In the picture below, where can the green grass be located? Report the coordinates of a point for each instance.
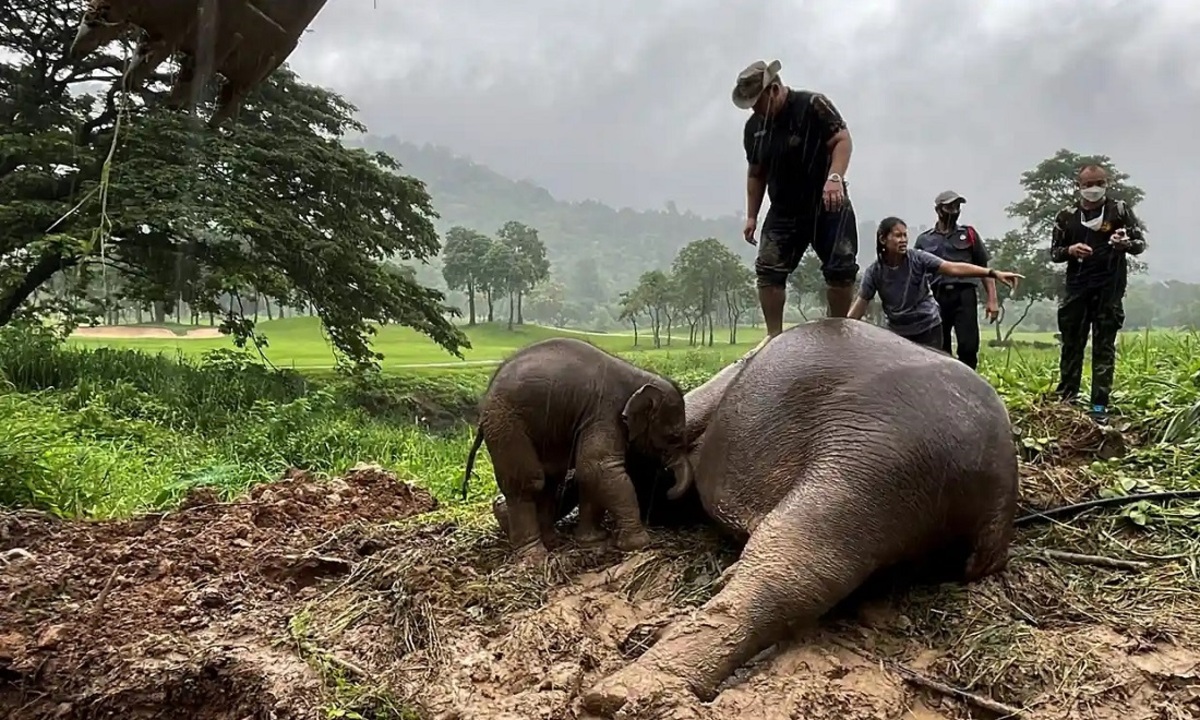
(102, 429)
(300, 343)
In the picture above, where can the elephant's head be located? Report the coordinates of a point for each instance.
(657, 424)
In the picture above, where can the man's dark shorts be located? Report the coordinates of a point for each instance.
(832, 234)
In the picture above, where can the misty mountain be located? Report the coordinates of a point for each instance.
(619, 244)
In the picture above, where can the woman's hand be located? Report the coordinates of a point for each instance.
(1008, 278)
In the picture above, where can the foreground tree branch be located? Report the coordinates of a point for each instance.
(273, 204)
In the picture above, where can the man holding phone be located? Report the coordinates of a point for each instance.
(1093, 237)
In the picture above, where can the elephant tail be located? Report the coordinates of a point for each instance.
(466, 483)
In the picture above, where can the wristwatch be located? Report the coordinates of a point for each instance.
(991, 273)
(834, 177)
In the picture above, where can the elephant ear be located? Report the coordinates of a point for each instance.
(640, 409)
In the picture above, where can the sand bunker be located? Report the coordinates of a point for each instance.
(133, 332)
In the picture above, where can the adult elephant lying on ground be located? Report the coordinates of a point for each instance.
(837, 450)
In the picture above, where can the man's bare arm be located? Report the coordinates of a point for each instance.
(756, 190)
(840, 148)
(840, 145)
(858, 308)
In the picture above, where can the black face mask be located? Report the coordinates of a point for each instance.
(948, 216)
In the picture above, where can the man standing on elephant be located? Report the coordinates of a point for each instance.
(1093, 237)
(958, 298)
(798, 150)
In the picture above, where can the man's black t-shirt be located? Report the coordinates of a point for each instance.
(1106, 268)
(792, 151)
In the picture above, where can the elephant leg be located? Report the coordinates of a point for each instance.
(990, 546)
(519, 475)
(547, 510)
(500, 512)
(803, 558)
(604, 485)
(589, 531)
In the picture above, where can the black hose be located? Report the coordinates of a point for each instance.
(1120, 500)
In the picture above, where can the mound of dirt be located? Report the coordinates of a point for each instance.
(181, 611)
(303, 600)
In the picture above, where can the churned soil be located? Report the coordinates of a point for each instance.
(180, 614)
(318, 599)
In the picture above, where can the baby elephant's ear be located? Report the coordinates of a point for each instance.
(640, 409)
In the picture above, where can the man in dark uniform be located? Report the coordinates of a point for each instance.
(798, 149)
(1093, 237)
(958, 298)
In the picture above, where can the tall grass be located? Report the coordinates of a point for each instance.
(101, 432)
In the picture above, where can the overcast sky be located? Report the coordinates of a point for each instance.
(627, 101)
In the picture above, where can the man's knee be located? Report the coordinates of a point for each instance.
(842, 275)
(770, 276)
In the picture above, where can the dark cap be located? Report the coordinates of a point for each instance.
(947, 197)
(752, 81)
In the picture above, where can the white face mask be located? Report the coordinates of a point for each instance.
(1093, 194)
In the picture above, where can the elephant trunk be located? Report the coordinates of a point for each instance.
(90, 37)
(682, 468)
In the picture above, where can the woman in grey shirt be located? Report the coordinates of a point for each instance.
(901, 278)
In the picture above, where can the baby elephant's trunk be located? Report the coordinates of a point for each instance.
(682, 468)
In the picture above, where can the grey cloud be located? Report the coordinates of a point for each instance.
(628, 102)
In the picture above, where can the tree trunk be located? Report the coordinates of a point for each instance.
(160, 312)
(512, 315)
(471, 303)
(520, 316)
(38, 275)
(270, 314)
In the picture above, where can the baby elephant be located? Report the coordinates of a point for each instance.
(560, 404)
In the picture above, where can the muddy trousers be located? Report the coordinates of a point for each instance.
(959, 305)
(1100, 311)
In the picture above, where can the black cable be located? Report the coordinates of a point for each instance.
(1075, 509)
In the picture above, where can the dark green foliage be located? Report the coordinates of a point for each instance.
(271, 205)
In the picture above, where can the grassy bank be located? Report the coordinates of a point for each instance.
(95, 430)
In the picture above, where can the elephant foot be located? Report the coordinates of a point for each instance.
(532, 554)
(552, 539)
(500, 512)
(633, 540)
(590, 536)
(638, 688)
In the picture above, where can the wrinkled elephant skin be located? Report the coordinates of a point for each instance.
(563, 404)
(837, 450)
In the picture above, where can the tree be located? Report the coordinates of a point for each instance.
(462, 257)
(548, 304)
(115, 185)
(531, 264)
(502, 275)
(632, 305)
(807, 283)
(652, 296)
(737, 290)
(700, 268)
(1020, 252)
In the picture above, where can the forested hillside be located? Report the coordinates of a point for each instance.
(594, 249)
